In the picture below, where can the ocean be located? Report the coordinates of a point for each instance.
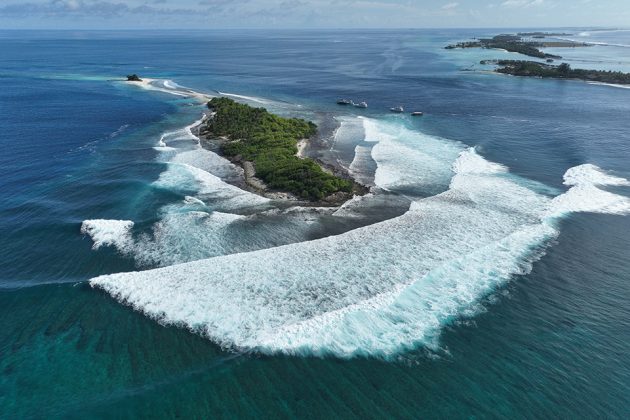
(485, 275)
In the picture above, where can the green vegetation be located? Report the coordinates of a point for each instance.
(270, 142)
(543, 34)
(512, 43)
(563, 71)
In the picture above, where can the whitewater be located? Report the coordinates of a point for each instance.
(375, 291)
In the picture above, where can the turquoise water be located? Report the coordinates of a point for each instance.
(462, 287)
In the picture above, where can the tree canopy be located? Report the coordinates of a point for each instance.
(270, 142)
(563, 71)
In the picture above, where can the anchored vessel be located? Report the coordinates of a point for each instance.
(397, 109)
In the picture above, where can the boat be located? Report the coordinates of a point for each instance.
(361, 105)
(417, 113)
(397, 109)
(344, 102)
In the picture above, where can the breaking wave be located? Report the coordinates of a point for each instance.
(193, 170)
(176, 238)
(107, 232)
(408, 159)
(198, 226)
(172, 88)
(247, 98)
(610, 85)
(187, 179)
(361, 165)
(380, 289)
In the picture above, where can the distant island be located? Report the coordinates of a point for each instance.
(515, 43)
(542, 34)
(134, 78)
(563, 71)
(266, 146)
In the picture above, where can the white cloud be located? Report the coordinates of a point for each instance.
(522, 3)
(86, 8)
(99, 14)
(449, 6)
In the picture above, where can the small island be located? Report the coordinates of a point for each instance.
(515, 43)
(266, 147)
(133, 78)
(539, 34)
(563, 71)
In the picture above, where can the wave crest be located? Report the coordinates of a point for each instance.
(377, 290)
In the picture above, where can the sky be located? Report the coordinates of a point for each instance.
(207, 14)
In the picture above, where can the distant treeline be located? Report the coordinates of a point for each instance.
(543, 34)
(270, 142)
(563, 71)
(512, 43)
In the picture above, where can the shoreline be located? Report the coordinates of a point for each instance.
(533, 69)
(147, 83)
(306, 148)
(521, 43)
(252, 184)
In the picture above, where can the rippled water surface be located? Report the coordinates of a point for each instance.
(486, 274)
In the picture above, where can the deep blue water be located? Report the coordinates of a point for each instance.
(549, 337)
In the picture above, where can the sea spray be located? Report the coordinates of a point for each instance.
(373, 291)
(108, 232)
(410, 160)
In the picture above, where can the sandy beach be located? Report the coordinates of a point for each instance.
(164, 85)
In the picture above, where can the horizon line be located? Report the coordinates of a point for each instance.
(593, 27)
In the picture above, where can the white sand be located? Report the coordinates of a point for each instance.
(150, 84)
(301, 145)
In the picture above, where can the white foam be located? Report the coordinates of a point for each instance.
(193, 170)
(192, 200)
(376, 290)
(190, 180)
(348, 209)
(170, 87)
(359, 168)
(589, 174)
(178, 237)
(412, 315)
(195, 227)
(407, 158)
(152, 87)
(170, 140)
(164, 149)
(607, 44)
(609, 85)
(490, 183)
(471, 163)
(588, 198)
(107, 232)
(247, 98)
(209, 162)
